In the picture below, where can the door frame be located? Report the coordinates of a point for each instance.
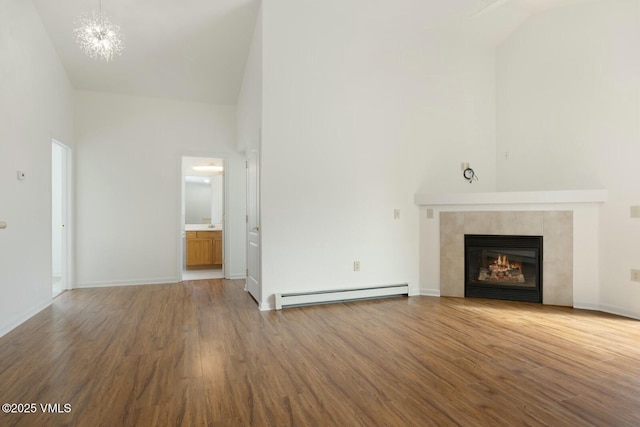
(181, 216)
(67, 216)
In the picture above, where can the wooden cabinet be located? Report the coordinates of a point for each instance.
(217, 247)
(199, 252)
(204, 248)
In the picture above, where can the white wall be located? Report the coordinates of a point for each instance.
(35, 106)
(249, 107)
(568, 115)
(129, 179)
(364, 104)
(217, 191)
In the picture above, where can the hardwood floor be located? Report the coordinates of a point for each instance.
(200, 353)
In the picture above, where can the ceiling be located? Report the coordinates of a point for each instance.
(196, 50)
(192, 50)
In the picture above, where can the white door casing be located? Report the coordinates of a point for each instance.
(219, 206)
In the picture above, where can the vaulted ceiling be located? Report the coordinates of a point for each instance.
(189, 49)
(196, 50)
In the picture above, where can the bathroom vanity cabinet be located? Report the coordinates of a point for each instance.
(204, 248)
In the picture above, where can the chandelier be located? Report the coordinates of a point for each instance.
(98, 37)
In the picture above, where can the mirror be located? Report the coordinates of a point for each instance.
(203, 192)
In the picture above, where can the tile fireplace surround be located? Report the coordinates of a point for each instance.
(556, 227)
(567, 220)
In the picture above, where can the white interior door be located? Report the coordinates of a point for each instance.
(60, 159)
(253, 225)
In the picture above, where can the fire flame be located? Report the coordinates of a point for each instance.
(502, 264)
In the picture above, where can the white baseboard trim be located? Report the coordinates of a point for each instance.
(134, 282)
(607, 309)
(21, 318)
(236, 276)
(265, 306)
(430, 292)
(586, 306)
(619, 311)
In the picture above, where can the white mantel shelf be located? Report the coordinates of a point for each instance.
(510, 198)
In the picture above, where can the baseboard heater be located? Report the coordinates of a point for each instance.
(324, 297)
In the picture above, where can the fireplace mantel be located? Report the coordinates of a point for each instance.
(568, 220)
(509, 198)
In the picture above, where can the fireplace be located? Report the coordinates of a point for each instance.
(503, 267)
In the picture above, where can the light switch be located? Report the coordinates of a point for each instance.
(635, 211)
(430, 213)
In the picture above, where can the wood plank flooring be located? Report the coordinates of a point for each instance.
(200, 353)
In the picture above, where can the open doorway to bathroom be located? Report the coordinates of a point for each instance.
(202, 218)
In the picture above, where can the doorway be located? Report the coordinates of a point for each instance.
(60, 202)
(202, 223)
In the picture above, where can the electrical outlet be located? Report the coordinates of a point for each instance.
(430, 213)
(635, 211)
(356, 265)
(396, 214)
(635, 275)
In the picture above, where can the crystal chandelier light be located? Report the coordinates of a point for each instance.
(98, 37)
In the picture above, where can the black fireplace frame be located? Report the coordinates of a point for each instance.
(503, 291)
